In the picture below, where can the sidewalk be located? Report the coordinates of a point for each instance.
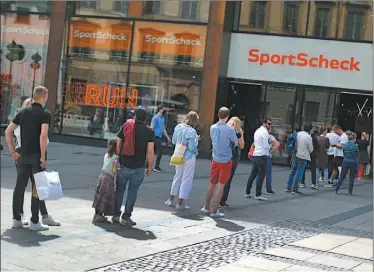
(287, 232)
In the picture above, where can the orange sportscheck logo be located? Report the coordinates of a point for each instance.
(302, 60)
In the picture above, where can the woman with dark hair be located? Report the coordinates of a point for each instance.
(322, 159)
(363, 154)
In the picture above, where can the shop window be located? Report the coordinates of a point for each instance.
(354, 25)
(189, 9)
(121, 6)
(119, 54)
(152, 7)
(258, 11)
(148, 57)
(82, 52)
(183, 60)
(22, 19)
(87, 4)
(26, 6)
(291, 17)
(322, 22)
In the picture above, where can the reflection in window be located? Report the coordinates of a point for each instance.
(322, 21)
(183, 60)
(258, 11)
(26, 6)
(121, 6)
(189, 9)
(318, 107)
(87, 4)
(148, 57)
(152, 7)
(81, 51)
(22, 19)
(119, 54)
(291, 17)
(354, 25)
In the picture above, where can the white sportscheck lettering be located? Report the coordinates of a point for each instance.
(172, 40)
(26, 30)
(99, 35)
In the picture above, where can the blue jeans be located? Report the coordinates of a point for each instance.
(268, 174)
(325, 174)
(352, 168)
(135, 178)
(296, 173)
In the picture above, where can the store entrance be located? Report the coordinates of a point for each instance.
(244, 102)
(356, 112)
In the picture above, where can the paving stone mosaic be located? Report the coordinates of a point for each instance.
(231, 248)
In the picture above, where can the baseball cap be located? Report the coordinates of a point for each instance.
(140, 113)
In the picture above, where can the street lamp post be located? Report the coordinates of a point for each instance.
(35, 66)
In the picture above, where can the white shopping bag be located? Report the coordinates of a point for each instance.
(178, 156)
(48, 185)
(367, 170)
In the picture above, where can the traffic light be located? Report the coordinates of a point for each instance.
(16, 52)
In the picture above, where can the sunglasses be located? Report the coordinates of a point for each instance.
(269, 124)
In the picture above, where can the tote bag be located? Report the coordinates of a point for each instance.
(178, 155)
(48, 185)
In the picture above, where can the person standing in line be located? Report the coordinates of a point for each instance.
(159, 129)
(303, 148)
(312, 163)
(46, 219)
(34, 124)
(349, 163)
(333, 139)
(185, 134)
(234, 122)
(338, 152)
(274, 145)
(322, 159)
(260, 158)
(224, 140)
(135, 146)
(363, 154)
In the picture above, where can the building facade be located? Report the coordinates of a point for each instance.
(295, 61)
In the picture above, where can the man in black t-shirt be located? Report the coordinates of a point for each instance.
(133, 168)
(34, 122)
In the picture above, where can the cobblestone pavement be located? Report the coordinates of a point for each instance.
(217, 252)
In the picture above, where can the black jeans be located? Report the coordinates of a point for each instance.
(330, 165)
(313, 169)
(43, 207)
(158, 145)
(352, 168)
(259, 168)
(226, 190)
(28, 165)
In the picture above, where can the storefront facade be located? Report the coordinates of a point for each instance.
(293, 61)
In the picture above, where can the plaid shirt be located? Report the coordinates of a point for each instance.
(350, 150)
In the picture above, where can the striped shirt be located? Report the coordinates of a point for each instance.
(350, 152)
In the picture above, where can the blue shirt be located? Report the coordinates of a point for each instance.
(224, 140)
(158, 122)
(350, 150)
(187, 136)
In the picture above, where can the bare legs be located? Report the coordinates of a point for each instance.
(210, 193)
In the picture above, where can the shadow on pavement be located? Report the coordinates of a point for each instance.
(194, 217)
(26, 238)
(127, 232)
(228, 225)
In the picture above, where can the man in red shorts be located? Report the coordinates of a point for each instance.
(224, 140)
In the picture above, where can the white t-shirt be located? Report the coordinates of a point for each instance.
(261, 142)
(333, 139)
(109, 163)
(343, 139)
(17, 133)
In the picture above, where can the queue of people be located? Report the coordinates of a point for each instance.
(130, 158)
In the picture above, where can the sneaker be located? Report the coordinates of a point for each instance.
(157, 169)
(224, 205)
(49, 221)
(335, 192)
(38, 227)
(314, 187)
(247, 196)
(98, 219)
(182, 207)
(321, 179)
(115, 219)
(24, 220)
(17, 224)
(270, 192)
(296, 192)
(328, 185)
(218, 214)
(288, 191)
(169, 203)
(205, 210)
(302, 185)
(127, 222)
(261, 198)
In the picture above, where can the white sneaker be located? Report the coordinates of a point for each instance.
(49, 221)
(182, 207)
(17, 224)
(24, 220)
(205, 210)
(247, 196)
(38, 226)
(169, 203)
(261, 198)
(218, 214)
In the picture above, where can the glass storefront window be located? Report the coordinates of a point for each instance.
(111, 8)
(279, 106)
(26, 7)
(24, 45)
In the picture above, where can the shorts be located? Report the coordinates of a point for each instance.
(338, 161)
(220, 172)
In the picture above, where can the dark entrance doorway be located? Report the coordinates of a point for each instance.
(244, 101)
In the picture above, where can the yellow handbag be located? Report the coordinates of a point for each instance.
(178, 156)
